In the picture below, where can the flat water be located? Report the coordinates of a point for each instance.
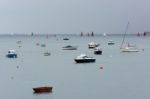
(124, 75)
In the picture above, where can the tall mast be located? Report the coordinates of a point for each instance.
(125, 34)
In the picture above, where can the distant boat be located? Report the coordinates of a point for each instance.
(81, 34)
(98, 51)
(65, 38)
(92, 34)
(69, 47)
(104, 34)
(111, 42)
(11, 54)
(84, 59)
(47, 53)
(93, 45)
(43, 89)
(128, 47)
(138, 34)
(18, 42)
(43, 45)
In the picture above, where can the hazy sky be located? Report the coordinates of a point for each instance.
(74, 16)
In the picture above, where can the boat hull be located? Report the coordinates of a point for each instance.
(42, 89)
(130, 50)
(98, 52)
(47, 53)
(111, 43)
(69, 48)
(84, 60)
(11, 55)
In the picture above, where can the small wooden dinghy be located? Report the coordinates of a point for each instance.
(45, 89)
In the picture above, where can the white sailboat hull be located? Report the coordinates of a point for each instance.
(129, 49)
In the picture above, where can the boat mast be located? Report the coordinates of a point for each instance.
(125, 34)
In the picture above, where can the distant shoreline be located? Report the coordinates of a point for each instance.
(66, 35)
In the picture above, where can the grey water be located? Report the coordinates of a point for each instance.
(124, 75)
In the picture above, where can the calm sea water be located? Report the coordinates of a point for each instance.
(124, 75)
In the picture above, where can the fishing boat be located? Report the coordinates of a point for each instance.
(69, 47)
(98, 51)
(83, 58)
(93, 45)
(11, 54)
(128, 47)
(45, 89)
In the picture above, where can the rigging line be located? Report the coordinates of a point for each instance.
(125, 34)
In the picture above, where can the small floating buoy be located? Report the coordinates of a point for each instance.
(37, 44)
(101, 67)
(12, 77)
(17, 66)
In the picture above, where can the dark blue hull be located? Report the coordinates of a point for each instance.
(84, 60)
(11, 55)
(98, 52)
(111, 43)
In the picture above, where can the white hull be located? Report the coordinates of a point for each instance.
(129, 49)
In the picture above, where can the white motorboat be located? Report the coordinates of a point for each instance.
(83, 58)
(93, 45)
(111, 42)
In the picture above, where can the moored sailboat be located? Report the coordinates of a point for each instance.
(128, 47)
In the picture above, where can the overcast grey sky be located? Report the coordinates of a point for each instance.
(74, 16)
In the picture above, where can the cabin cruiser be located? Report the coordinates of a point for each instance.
(111, 42)
(11, 54)
(83, 58)
(98, 51)
(93, 45)
(69, 47)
